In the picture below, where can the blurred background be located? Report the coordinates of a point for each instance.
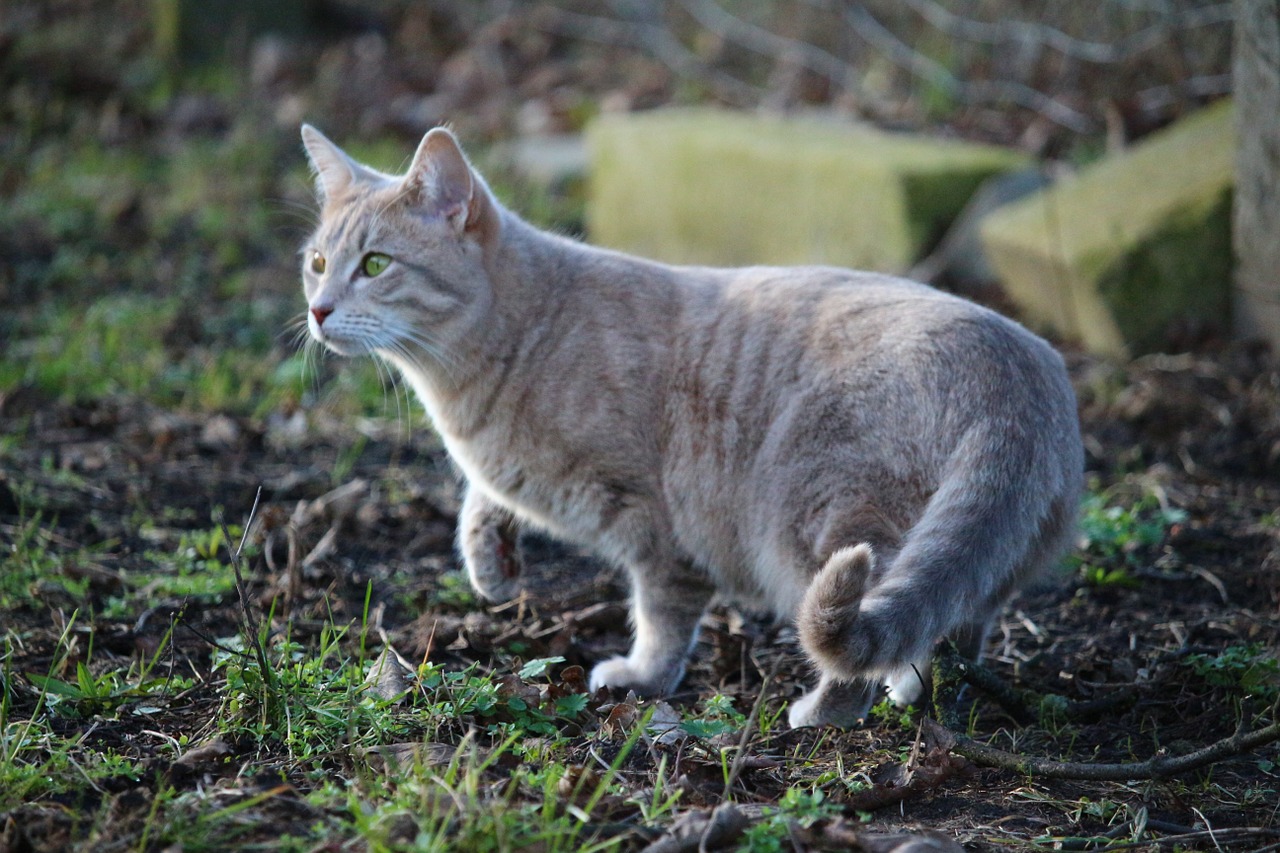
(153, 191)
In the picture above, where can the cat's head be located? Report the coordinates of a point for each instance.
(396, 265)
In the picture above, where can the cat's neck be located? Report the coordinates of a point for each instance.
(541, 285)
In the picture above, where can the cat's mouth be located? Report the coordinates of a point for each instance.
(336, 344)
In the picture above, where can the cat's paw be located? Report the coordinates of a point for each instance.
(492, 558)
(622, 673)
(832, 703)
(908, 684)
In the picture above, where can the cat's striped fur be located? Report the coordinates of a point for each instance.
(881, 462)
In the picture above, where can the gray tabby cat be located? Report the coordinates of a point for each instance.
(879, 461)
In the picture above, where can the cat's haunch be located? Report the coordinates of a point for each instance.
(881, 462)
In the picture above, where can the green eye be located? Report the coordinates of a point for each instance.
(374, 263)
(317, 263)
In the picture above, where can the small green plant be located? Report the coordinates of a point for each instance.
(455, 592)
(35, 756)
(1115, 537)
(718, 717)
(28, 559)
(1248, 669)
(771, 834)
(888, 714)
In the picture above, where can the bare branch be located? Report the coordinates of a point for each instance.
(762, 41)
(653, 39)
(1156, 767)
(1028, 32)
(978, 92)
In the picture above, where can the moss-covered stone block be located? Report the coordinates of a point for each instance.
(723, 188)
(1134, 249)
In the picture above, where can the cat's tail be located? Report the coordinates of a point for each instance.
(831, 603)
(995, 519)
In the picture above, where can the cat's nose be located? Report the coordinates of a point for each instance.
(321, 312)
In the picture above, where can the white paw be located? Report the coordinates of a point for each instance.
(620, 672)
(905, 686)
(804, 711)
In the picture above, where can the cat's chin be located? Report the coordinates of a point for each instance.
(339, 347)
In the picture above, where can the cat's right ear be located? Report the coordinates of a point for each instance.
(335, 171)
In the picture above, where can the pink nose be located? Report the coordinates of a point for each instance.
(321, 313)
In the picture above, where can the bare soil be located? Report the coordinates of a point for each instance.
(1199, 433)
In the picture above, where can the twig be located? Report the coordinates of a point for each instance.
(653, 39)
(946, 679)
(252, 626)
(771, 44)
(971, 92)
(735, 769)
(1025, 706)
(1029, 32)
(1227, 833)
(1156, 767)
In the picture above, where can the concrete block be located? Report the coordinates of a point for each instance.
(723, 188)
(1134, 249)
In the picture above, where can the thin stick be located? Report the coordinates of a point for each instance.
(252, 627)
(735, 769)
(1156, 767)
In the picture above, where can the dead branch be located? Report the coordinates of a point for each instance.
(1025, 706)
(949, 672)
(967, 92)
(726, 25)
(251, 624)
(735, 770)
(1032, 33)
(655, 40)
(1160, 766)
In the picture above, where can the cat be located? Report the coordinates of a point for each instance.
(877, 460)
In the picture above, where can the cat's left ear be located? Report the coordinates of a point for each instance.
(441, 181)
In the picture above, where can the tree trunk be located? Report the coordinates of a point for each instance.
(1257, 194)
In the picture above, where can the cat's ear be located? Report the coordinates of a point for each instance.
(441, 181)
(335, 171)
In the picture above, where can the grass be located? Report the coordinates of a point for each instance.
(140, 709)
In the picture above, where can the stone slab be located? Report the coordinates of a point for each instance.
(1132, 252)
(721, 188)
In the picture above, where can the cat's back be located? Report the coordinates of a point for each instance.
(865, 330)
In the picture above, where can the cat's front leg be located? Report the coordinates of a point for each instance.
(487, 540)
(666, 607)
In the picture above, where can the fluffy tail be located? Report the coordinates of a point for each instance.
(830, 607)
(994, 520)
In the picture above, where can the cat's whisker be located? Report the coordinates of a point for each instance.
(404, 415)
(447, 361)
(295, 210)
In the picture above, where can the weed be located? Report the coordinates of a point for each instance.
(797, 805)
(34, 757)
(1115, 537)
(718, 717)
(454, 592)
(1250, 670)
(887, 713)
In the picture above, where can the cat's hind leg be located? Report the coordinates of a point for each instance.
(667, 603)
(834, 703)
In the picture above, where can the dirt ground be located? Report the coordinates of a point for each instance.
(135, 185)
(1198, 435)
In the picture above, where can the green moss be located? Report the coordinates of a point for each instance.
(1179, 274)
(1132, 245)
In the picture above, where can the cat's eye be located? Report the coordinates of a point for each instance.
(374, 263)
(317, 263)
